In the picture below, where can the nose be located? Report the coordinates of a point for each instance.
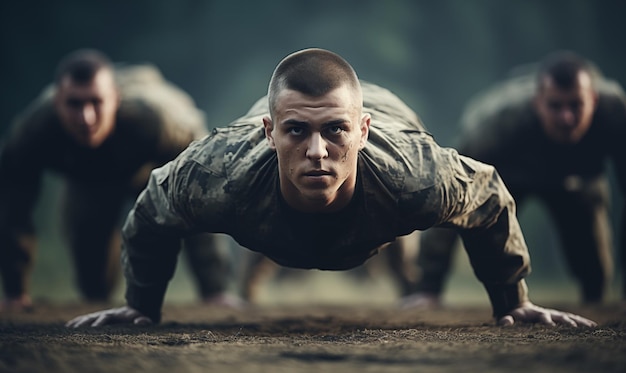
(88, 115)
(316, 148)
(567, 117)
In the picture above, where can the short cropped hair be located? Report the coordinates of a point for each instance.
(313, 72)
(563, 68)
(82, 65)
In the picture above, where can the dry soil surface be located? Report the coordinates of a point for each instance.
(311, 338)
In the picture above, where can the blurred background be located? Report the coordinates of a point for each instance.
(434, 54)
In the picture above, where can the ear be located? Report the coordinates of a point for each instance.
(365, 129)
(269, 127)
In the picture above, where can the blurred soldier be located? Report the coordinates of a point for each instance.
(102, 129)
(549, 134)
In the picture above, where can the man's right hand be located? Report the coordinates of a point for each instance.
(121, 315)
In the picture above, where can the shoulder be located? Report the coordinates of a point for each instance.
(150, 102)
(507, 98)
(231, 151)
(407, 161)
(610, 114)
(386, 107)
(145, 86)
(223, 169)
(38, 119)
(137, 74)
(611, 98)
(498, 116)
(423, 180)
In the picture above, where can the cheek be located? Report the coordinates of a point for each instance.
(286, 156)
(589, 111)
(110, 113)
(545, 114)
(349, 148)
(346, 150)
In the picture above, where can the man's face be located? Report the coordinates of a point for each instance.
(317, 140)
(566, 114)
(87, 110)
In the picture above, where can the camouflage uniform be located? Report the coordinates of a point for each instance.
(154, 123)
(501, 128)
(228, 182)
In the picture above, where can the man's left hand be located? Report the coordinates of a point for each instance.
(528, 312)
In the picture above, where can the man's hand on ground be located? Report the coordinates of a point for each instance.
(531, 313)
(119, 315)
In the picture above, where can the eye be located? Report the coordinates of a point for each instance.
(296, 131)
(575, 106)
(334, 130)
(554, 106)
(74, 104)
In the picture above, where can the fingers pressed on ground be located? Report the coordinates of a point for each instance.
(506, 321)
(77, 322)
(546, 319)
(142, 320)
(570, 320)
(584, 322)
(101, 320)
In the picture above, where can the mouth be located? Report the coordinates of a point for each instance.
(318, 173)
(318, 178)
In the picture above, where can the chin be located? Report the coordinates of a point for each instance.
(570, 138)
(316, 202)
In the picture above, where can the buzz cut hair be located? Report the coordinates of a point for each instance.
(82, 65)
(313, 72)
(563, 67)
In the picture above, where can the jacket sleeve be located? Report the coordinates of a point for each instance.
(178, 201)
(151, 242)
(615, 144)
(480, 207)
(20, 178)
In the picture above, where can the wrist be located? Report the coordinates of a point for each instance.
(506, 297)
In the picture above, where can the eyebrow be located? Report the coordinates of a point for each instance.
(295, 122)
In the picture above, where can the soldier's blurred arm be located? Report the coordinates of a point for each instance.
(617, 133)
(21, 152)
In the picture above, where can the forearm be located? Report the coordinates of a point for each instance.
(507, 297)
(17, 241)
(16, 262)
(151, 244)
(622, 246)
(493, 238)
(500, 260)
(149, 256)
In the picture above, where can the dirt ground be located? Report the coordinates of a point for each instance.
(311, 338)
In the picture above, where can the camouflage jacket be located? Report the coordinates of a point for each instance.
(154, 123)
(228, 183)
